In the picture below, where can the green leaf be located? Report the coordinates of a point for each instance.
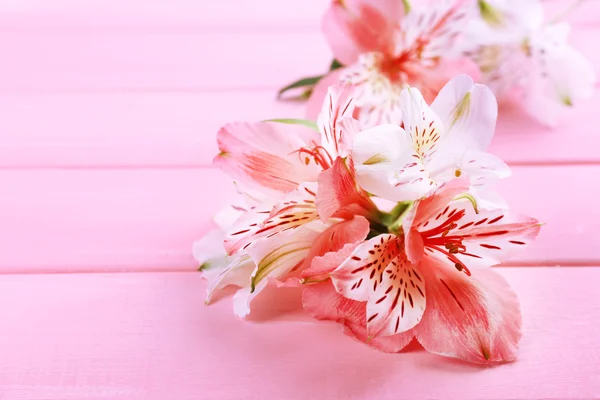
(335, 64)
(305, 122)
(304, 82)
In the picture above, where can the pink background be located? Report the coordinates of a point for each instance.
(108, 114)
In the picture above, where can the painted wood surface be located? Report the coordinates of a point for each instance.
(179, 129)
(204, 15)
(108, 110)
(146, 220)
(148, 336)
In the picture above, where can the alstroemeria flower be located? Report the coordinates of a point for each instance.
(519, 53)
(436, 145)
(384, 51)
(294, 220)
(430, 280)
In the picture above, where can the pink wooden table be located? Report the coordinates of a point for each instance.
(108, 113)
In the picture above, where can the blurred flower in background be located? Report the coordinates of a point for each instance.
(382, 47)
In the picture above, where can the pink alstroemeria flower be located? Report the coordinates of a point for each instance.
(429, 279)
(521, 55)
(293, 220)
(384, 50)
(435, 145)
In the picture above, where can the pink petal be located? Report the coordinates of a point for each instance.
(339, 193)
(474, 318)
(265, 154)
(324, 303)
(432, 205)
(463, 237)
(336, 237)
(321, 266)
(314, 105)
(353, 27)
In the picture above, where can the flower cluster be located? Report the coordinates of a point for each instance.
(390, 231)
(385, 46)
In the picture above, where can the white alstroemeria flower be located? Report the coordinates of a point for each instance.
(435, 145)
(518, 52)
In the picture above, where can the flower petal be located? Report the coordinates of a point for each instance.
(398, 303)
(339, 193)
(265, 156)
(483, 168)
(358, 277)
(209, 249)
(315, 102)
(336, 237)
(237, 272)
(387, 165)
(335, 121)
(275, 257)
(434, 27)
(468, 112)
(297, 209)
(240, 233)
(560, 77)
(324, 303)
(353, 27)
(421, 123)
(476, 318)
(464, 237)
(321, 266)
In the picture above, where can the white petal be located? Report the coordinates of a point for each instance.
(380, 146)
(559, 77)
(275, 257)
(387, 166)
(210, 247)
(468, 112)
(399, 301)
(236, 271)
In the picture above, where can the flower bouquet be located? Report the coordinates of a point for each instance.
(390, 230)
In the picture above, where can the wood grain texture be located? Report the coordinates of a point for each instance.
(191, 14)
(147, 220)
(98, 220)
(97, 61)
(179, 129)
(148, 336)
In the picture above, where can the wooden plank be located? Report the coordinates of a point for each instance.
(134, 129)
(191, 61)
(190, 14)
(147, 220)
(99, 220)
(179, 129)
(116, 62)
(178, 14)
(148, 336)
